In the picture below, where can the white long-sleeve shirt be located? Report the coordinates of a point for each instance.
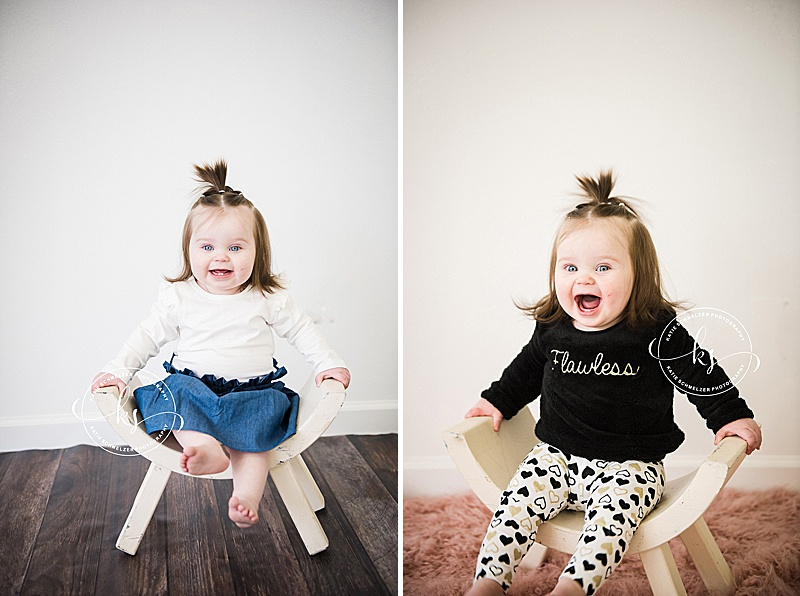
(225, 335)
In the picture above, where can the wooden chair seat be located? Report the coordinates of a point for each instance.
(488, 460)
(297, 488)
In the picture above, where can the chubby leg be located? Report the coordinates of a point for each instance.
(619, 498)
(249, 479)
(202, 453)
(536, 493)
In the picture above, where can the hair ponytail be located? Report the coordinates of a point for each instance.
(212, 182)
(598, 190)
(600, 203)
(211, 177)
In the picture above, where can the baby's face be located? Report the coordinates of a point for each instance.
(222, 249)
(594, 275)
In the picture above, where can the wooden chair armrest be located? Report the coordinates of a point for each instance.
(687, 498)
(318, 407)
(487, 459)
(120, 415)
(730, 453)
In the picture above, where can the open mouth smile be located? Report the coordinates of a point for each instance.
(587, 304)
(221, 272)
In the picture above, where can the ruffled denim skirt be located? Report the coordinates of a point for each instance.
(255, 415)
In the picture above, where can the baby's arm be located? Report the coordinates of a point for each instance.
(485, 408)
(744, 428)
(338, 374)
(144, 343)
(291, 323)
(725, 411)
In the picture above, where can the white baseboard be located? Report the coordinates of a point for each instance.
(757, 472)
(365, 418)
(432, 476)
(61, 431)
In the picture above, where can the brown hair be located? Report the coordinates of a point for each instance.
(647, 301)
(216, 195)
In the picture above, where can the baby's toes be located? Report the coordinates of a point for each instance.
(241, 513)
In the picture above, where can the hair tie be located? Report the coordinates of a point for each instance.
(216, 191)
(222, 191)
(627, 208)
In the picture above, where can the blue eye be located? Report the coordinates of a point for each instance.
(602, 268)
(207, 247)
(571, 268)
(236, 248)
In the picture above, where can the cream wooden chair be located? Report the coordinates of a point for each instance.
(488, 461)
(318, 407)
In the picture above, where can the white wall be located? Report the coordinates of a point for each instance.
(697, 107)
(104, 106)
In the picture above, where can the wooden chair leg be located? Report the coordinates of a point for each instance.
(144, 505)
(535, 556)
(307, 483)
(708, 558)
(662, 573)
(303, 516)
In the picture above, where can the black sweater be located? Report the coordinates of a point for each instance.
(604, 396)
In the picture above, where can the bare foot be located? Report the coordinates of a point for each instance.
(241, 512)
(203, 460)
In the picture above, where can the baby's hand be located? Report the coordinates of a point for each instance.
(104, 379)
(744, 428)
(337, 374)
(484, 408)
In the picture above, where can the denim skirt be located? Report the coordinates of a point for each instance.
(255, 415)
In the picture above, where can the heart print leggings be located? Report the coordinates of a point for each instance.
(616, 497)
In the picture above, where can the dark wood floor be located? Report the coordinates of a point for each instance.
(62, 511)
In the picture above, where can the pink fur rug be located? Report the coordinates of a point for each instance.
(758, 532)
